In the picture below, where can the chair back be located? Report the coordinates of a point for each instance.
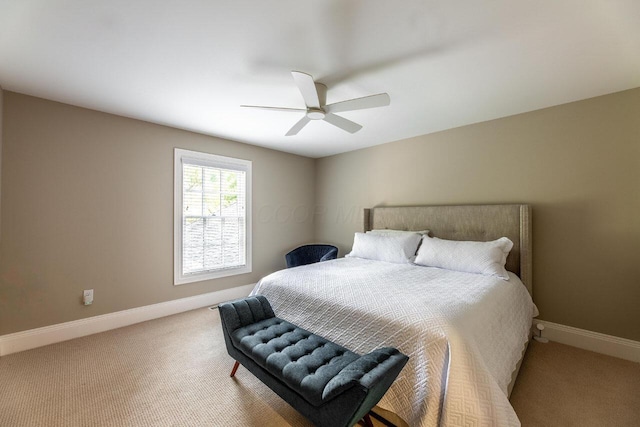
(309, 254)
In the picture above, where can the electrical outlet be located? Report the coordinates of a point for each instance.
(87, 296)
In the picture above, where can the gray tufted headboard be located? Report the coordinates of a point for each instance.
(465, 222)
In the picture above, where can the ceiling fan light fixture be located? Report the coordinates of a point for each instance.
(315, 114)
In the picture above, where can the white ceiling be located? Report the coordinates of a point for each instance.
(191, 63)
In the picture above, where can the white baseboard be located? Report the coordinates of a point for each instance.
(26, 340)
(592, 341)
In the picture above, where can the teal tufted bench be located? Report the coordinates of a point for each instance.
(325, 382)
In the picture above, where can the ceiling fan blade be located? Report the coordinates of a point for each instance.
(298, 126)
(372, 101)
(295, 110)
(307, 88)
(342, 123)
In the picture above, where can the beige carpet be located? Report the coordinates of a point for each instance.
(560, 385)
(175, 372)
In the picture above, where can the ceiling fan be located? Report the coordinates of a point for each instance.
(315, 98)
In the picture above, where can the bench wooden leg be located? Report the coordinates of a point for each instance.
(367, 421)
(235, 368)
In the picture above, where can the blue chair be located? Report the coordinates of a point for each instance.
(309, 254)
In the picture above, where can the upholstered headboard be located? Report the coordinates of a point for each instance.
(465, 222)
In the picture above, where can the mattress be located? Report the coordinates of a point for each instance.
(464, 333)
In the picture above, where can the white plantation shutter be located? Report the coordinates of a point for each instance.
(212, 216)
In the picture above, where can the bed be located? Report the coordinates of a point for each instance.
(465, 333)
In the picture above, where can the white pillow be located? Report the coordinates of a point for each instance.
(398, 248)
(486, 258)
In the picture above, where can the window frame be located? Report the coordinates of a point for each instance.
(215, 161)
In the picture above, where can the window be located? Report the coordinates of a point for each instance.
(212, 219)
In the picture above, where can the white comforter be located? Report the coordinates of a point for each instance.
(464, 333)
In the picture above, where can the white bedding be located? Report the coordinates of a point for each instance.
(464, 333)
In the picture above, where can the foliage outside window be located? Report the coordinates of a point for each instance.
(212, 223)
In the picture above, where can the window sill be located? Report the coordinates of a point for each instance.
(192, 278)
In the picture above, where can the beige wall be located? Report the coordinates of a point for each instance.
(87, 202)
(1, 114)
(578, 165)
